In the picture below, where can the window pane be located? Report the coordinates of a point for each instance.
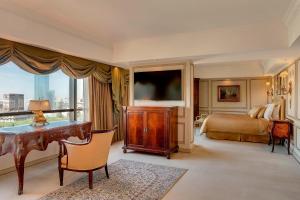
(54, 117)
(15, 120)
(18, 87)
(82, 100)
(27, 119)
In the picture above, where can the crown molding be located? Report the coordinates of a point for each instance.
(292, 10)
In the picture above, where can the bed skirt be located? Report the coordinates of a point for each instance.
(238, 137)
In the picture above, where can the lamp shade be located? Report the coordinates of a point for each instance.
(39, 105)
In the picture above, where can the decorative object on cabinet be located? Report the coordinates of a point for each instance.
(151, 129)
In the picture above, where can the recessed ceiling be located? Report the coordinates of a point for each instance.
(111, 21)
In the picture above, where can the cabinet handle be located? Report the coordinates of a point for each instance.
(146, 130)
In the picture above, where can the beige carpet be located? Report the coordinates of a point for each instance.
(217, 170)
(129, 180)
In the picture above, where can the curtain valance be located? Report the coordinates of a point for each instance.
(41, 61)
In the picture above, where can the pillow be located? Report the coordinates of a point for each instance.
(253, 112)
(276, 112)
(269, 111)
(261, 112)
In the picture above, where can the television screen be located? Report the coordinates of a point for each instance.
(158, 85)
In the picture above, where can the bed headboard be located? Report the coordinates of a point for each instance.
(280, 100)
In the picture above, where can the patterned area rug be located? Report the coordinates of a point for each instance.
(128, 180)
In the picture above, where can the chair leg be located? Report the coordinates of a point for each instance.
(61, 176)
(91, 179)
(106, 171)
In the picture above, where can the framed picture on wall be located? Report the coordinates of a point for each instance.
(228, 93)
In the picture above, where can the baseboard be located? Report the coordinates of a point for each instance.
(294, 151)
(28, 164)
(185, 150)
(296, 154)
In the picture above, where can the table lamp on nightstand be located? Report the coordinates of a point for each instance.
(37, 107)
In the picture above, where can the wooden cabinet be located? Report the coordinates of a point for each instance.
(150, 129)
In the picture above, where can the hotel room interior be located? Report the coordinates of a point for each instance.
(150, 100)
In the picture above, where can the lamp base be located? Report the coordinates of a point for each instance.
(39, 119)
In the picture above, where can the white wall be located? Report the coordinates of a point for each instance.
(211, 42)
(229, 70)
(22, 30)
(292, 21)
(7, 161)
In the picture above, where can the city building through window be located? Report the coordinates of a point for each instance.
(67, 96)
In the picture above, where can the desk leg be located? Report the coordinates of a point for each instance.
(19, 162)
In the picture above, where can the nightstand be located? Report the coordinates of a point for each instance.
(280, 129)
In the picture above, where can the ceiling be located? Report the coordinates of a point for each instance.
(133, 32)
(110, 21)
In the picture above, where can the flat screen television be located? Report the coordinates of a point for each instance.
(158, 85)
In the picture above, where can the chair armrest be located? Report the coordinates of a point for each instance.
(105, 130)
(72, 143)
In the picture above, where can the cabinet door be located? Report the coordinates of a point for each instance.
(135, 128)
(154, 137)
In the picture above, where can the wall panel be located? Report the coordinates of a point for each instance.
(243, 94)
(253, 92)
(258, 90)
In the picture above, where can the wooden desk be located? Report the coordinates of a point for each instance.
(20, 140)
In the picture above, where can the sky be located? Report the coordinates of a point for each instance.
(15, 80)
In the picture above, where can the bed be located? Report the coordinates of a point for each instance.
(238, 127)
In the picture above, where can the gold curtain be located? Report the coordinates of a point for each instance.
(120, 97)
(101, 105)
(41, 61)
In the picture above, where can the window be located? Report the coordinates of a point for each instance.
(82, 100)
(18, 87)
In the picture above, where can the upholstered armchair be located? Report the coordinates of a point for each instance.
(85, 157)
